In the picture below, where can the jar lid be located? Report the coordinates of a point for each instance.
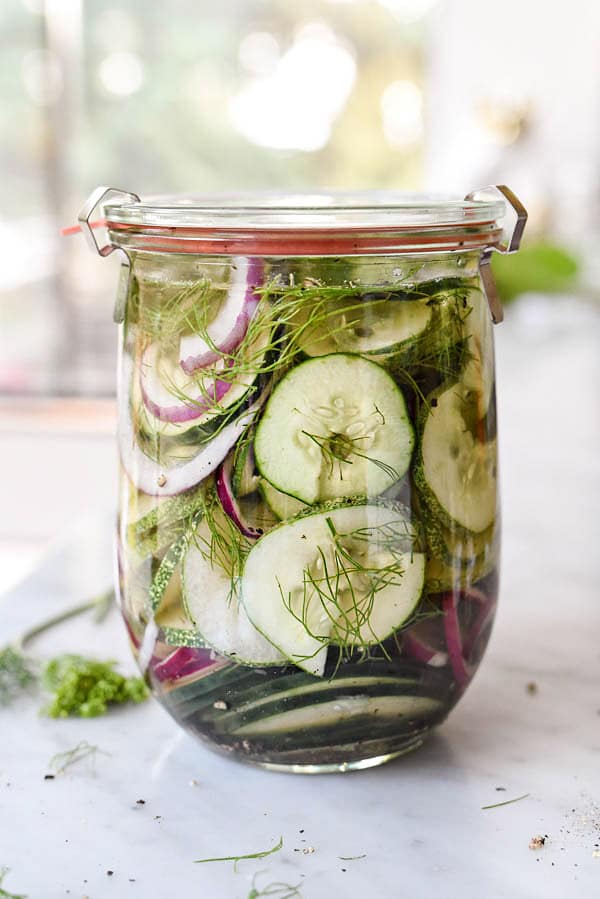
(299, 224)
(307, 211)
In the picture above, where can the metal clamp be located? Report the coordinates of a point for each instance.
(512, 234)
(94, 200)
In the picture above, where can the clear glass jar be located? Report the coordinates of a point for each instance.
(309, 527)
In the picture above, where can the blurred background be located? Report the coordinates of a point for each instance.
(199, 96)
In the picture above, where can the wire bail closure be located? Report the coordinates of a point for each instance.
(94, 200)
(512, 234)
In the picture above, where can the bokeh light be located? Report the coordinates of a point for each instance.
(294, 107)
(121, 74)
(402, 113)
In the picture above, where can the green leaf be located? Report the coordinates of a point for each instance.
(543, 267)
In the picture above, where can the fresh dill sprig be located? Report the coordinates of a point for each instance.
(506, 802)
(276, 888)
(238, 858)
(4, 894)
(16, 674)
(339, 447)
(221, 543)
(340, 570)
(17, 670)
(60, 762)
(86, 687)
(185, 308)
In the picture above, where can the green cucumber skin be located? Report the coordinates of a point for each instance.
(429, 500)
(288, 701)
(251, 695)
(181, 636)
(277, 501)
(165, 522)
(169, 563)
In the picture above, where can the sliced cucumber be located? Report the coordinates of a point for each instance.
(211, 600)
(346, 574)
(169, 566)
(281, 504)
(337, 712)
(156, 522)
(441, 575)
(379, 326)
(244, 478)
(456, 468)
(455, 546)
(334, 426)
(298, 689)
(176, 629)
(435, 356)
(378, 320)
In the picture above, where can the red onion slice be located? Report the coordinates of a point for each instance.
(228, 329)
(421, 651)
(161, 380)
(460, 651)
(183, 661)
(482, 621)
(230, 504)
(460, 668)
(147, 475)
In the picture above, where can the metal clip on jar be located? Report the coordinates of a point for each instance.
(309, 527)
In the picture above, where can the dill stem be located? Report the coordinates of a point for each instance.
(98, 602)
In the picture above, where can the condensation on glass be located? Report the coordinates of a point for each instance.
(308, 533)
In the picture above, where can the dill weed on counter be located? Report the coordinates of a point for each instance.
(86, 687)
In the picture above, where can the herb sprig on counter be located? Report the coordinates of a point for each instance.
(4, 893)
(239, 858)
(86, 687)
(81, 686)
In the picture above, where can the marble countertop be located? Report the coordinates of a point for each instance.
(415, 827)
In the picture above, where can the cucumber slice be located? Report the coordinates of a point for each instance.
(209, 584)
(379, 326)
(334, 426)
(345, 574)
(456, 468)
(169, 566)
(336, 712)
(438, 354)
(244, 479)
(378, 320)
(176, 629)
(282, 505)
(440, 575)
(156, 522)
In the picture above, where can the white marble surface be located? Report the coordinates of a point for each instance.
(418, 821)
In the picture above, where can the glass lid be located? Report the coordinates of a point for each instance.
(309, 210)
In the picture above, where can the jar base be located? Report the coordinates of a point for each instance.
(325, 760)
(343, 767)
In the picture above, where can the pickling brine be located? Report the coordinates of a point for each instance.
(309, 527)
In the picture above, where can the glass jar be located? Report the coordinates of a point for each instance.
(308, 528)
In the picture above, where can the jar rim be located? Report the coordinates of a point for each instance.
(305, 211)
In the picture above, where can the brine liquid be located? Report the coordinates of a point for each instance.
(427, 327)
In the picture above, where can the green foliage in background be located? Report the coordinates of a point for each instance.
(541, 267)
